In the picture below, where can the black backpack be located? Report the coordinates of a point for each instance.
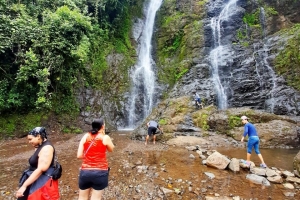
(56, 174)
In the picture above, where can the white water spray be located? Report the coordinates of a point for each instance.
(143, 76)
(221, 53)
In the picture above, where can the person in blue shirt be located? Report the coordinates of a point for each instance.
(152, 127)
(197, 99)
(253, 141)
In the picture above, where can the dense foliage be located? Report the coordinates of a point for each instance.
(287, 63)
(48, 49)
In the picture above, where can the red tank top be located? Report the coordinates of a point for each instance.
(95, 158)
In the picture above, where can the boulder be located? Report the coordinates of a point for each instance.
(296, 163)
(217, 160)
(258, 179)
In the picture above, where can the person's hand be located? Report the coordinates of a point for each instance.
(20, 192)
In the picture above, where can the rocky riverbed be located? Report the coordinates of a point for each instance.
(172, 170)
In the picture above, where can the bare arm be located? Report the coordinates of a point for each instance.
(44, 162)
(107, 141)
(80, 147)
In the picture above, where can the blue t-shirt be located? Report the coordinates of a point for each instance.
(250, 130)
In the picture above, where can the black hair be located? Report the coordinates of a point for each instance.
(38, 131)
(97, 125)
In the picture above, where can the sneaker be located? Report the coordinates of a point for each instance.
(263, 165)
(245, 162)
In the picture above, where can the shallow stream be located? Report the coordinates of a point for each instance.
(279, 158)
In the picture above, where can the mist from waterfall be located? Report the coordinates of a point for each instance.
(142, 74)
(221, 53)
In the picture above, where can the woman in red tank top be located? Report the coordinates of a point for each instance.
(94, 168)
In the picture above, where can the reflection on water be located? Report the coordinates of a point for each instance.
(279, 158)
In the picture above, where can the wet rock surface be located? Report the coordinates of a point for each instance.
(160, 171)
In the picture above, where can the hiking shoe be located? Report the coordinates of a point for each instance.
(263, 165)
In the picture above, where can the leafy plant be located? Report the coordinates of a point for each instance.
(251, 19)
(163, 121)
(287, 63)
(234, 121)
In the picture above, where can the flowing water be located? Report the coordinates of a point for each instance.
(266, 69)
(142, 74)
(279, 158)
(221, 53)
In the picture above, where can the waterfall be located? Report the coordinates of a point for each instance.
(221, 53)
(142, 74)
(270, 102)
(262, 19)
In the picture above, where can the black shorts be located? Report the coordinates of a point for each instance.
(152, 130)
(96, 179)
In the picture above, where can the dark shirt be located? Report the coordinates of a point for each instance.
(34, 159)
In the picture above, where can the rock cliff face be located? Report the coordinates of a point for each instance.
(228, 56)
(242, 58)
(241, 54)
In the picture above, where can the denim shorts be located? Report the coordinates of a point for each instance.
(96, 179)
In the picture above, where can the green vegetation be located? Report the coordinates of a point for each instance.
(48, 51)
(9, 124)
(163, 121)
(287, 63)
(72, 129)
(251, 19)
(201, 120)
(180, 30)
(234, 121)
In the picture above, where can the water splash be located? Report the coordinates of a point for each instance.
(142, 74)
(221, 53)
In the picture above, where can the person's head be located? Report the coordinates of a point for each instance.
(244, 119)
(36, 136)
(97, 124)
(194, 91)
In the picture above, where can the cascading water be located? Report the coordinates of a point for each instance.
(264, 71)
(142, 74)
(221, 54)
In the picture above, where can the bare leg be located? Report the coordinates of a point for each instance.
(154, 137)
(248, 156)
(147, 138)
(84, 194)
(97, 194)
(261, 158)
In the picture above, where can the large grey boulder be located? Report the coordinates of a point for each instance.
(217, 160)
(258, 179)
